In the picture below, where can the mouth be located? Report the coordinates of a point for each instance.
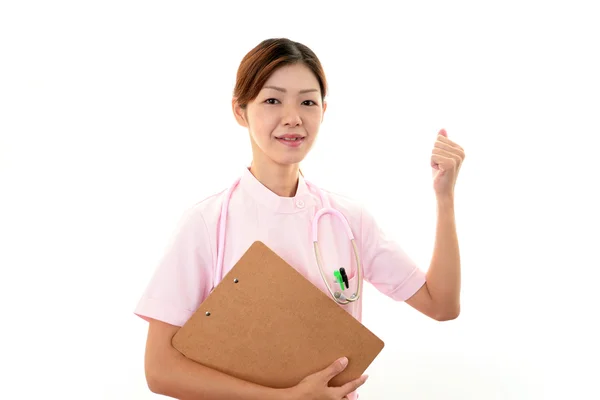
(291, 140)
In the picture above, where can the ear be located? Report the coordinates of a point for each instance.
(324, 109)
(239, 113)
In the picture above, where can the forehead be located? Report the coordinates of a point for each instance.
(294, 77)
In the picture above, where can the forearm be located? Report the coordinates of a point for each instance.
(443, 276)
(185, 379)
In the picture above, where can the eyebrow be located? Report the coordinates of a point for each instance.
(285, 91)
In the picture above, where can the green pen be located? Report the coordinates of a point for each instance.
(339, 278)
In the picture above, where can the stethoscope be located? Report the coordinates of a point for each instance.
(340, 275)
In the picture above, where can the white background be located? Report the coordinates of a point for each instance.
(115, 117)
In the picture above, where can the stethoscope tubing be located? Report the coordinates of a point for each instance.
(337, 296)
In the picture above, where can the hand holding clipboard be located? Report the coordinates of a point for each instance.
(250, 327)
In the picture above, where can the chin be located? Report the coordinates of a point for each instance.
(289, 160)
(287, 157)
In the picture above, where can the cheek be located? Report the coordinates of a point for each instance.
(313, 121)
(262, 122)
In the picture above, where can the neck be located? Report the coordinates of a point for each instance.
(279, 179)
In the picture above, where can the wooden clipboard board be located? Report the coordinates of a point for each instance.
(270, 325)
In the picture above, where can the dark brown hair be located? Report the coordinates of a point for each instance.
(269, 55)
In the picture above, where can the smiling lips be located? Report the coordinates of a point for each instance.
(291, 139)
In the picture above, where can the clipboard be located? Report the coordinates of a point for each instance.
(267, 324)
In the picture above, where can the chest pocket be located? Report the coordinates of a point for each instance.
(336, 252)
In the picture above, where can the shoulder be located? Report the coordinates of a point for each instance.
(203, 211)
(209, 203)
(353, 209)
(344, 202)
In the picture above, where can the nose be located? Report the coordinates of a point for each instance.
(291, 116)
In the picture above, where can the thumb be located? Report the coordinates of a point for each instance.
(334, 369)
(443, 132)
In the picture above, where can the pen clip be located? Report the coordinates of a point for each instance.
(344, 277)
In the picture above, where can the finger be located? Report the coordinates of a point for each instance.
(444, 139)
(352, 385)
(449, 148)
(443, 132)
(457, 159)
(334, 369)
(443, 163)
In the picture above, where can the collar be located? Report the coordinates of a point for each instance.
(279, 205)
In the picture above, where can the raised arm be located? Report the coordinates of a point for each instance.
(440, 296)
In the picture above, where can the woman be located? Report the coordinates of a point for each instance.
(280, 98)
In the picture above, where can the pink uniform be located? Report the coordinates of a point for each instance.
(186, 273)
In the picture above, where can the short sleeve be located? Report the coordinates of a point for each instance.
(387, 266)
(183, 277)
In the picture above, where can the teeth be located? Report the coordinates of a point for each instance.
(291, 139)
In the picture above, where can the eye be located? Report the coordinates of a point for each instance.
(271, 101)
(309, 101)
